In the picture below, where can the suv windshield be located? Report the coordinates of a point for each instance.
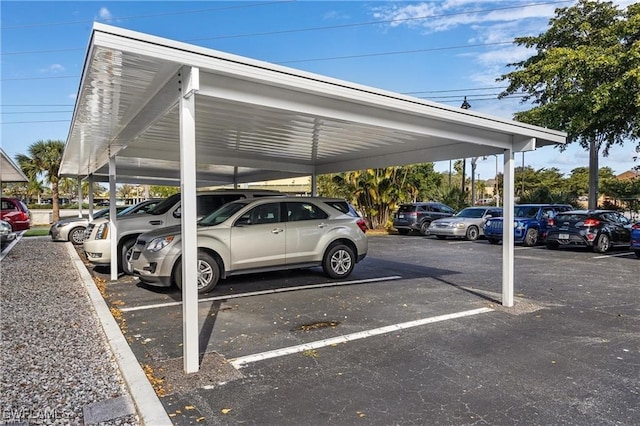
(164, 206)
(222, 214)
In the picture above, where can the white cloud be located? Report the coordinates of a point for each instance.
(104, 14)
(53, 69)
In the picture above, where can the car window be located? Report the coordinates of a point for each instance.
(8, 205)
(406, 208)
(548, 213)
(164, 206)
(623, 219)
(304, 211)
(264, 213)
(211, 202)
(526, 211)
(471, 213)
(344, 207)
(222, 214)
(570, 217)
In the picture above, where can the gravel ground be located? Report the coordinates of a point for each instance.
(54, 357)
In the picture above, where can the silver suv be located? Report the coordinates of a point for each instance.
(258, 235)
(97, 244)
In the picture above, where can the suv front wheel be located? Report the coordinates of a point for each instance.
(208, 273)
(424, 227)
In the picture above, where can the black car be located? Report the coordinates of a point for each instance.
(418, 216)
(598, 229)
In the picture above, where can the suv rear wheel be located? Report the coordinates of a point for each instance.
(338, 261)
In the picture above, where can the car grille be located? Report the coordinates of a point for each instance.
(495, 225)
(87, 232)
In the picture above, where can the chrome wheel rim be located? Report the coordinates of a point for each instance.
(205, 274)
(341, 262)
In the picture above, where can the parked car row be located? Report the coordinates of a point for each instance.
(239, 232)
(555, 225)
(15, 213)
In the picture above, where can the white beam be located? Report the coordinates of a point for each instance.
(90, 198)
(79, 195)
(508, 230)
(113, 227)
(190, 347)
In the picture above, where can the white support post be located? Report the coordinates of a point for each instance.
(189, 78)
(507, 230)
(90, 198)
(314, 185)
(79, 179)
(113, 227)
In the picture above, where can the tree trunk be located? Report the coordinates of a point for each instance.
(55, 201)
(594, 150)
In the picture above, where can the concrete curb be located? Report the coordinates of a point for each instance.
(150, 409)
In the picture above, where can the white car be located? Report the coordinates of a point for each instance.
(467, 223)
(258, 235)
(73, 228)
(97, 243)
(6, 233)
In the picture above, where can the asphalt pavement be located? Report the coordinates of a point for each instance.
(417, 335)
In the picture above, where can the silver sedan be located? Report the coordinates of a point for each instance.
(467, 223)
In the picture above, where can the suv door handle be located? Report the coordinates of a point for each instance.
(155, 222)
(277, 230)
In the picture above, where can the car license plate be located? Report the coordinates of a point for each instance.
(563, 236)
(400, 216)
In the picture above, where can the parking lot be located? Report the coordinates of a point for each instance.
(417, 335)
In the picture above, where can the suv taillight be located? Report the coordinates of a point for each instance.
(591, 222)
(362, 225)
(635, 226)
(551, 222)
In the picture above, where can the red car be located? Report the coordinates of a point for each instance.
(16, 213)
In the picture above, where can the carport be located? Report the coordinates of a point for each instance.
(9, 171)
(153, 110)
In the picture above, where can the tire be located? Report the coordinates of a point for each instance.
(76, 235)
(339, 261)
(403, 231)
(441, 237)
(553, 245)
(603, 244)
(493, 241)
(637, 253)
(472, 233)
(208, 273)
(530, 238)
(424, 227)
(125, 253)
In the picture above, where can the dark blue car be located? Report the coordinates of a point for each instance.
(635, 238)
(530, 223)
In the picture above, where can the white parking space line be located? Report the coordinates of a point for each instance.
(10, 246)
(263, 292)
(461, 242)
(244, 360)
(604, 256)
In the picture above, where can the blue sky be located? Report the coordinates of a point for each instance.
(459, 50)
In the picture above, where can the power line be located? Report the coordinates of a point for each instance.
(399, 52)
(156, 15)
(329, 27)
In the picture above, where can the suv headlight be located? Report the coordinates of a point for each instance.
(518, 225)
(103, 231)
(158, 244)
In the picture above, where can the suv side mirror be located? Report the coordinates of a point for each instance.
(243, 221)
(178, 213)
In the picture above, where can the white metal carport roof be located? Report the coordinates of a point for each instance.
(9, 171)
(160, 111)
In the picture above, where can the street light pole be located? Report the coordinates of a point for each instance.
(465, 105)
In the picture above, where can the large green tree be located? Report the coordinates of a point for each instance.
(584, 78)
(44, 159)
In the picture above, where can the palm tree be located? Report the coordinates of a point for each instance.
(44, 158)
